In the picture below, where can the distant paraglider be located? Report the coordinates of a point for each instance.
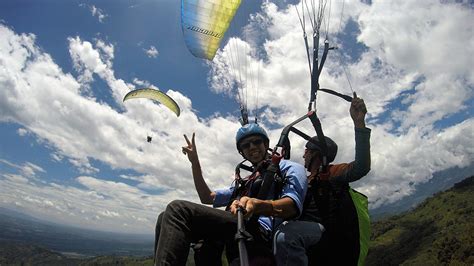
(156, 95)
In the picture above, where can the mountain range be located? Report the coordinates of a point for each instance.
(439, 182)
(21, 228)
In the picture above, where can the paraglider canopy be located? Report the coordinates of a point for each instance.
(204, 23)
(156, 95)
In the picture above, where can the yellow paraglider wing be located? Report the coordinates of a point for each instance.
(204, 23)
(156, 95)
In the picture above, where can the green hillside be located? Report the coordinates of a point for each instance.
(439, 231)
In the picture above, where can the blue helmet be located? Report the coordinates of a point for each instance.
(331, 147)
(250, 130)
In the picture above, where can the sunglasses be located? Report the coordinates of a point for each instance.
(246, 145)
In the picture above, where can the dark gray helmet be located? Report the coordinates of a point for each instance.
(316, 145)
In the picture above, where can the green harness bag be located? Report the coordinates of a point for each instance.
(361, 204)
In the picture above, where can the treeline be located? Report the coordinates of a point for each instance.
(439, 231)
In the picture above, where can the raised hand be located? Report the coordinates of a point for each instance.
(358, 111)
(190, 149)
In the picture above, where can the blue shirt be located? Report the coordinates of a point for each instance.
(295, 188)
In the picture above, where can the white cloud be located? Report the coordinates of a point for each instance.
(16, 178)
(407, 54)
(408, 45)
(107, 52)
(151, 52)
(22, 132)
(50, 105)
(28, 169)
(435, 44)
(87, 60)
(141, 83)
(98, 13)
(111, 203)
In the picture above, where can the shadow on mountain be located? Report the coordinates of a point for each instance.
(405, 246)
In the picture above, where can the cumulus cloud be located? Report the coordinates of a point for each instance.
(151, 52)
(28, 170)
(91, 202)
(52, 107)
(141, 83)
(403, 73)
(96, 12)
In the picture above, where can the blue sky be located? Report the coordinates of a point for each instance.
(71, 151)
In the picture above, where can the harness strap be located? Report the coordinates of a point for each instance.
(324, 147)
(343, 96)
(239, 186)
